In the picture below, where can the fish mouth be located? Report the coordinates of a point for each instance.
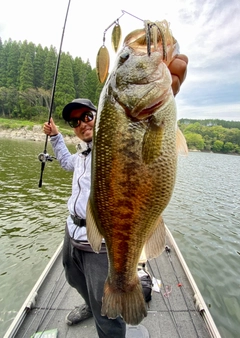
(144, 107)
(145, 86)
(147, 106)
(146, 112)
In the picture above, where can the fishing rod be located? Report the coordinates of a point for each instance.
(44, 156)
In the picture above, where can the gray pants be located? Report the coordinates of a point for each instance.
(87, 272)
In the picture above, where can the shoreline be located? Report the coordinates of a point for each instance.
(35, 134)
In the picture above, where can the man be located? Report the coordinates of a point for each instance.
(85, 270)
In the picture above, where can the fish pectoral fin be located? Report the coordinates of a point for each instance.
(93, 234)
(155, 244)
(152, 141)
(181, 143)
(143, 257)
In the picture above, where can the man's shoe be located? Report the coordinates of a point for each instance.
(78, 314)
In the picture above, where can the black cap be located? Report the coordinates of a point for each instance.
(76, 104)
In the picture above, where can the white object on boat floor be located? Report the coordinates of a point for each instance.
(138, 331)
(46, 334)
(156, 284)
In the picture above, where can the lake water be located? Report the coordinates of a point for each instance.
(203, 216)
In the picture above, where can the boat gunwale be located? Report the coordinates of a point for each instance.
(201, 306)
(27, 305)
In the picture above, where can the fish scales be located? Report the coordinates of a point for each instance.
(134, 163)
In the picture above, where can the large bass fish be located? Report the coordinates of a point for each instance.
(134, 164)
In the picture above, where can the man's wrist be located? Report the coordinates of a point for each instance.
(53, 135)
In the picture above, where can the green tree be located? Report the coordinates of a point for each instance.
(3, 63)
(26, 73)
(228, 147)
(12, 65)
(233, 135)
(85, 80)
(92, 81)
(3, 102)
(25, 48)
(39, 66)
(236, 149)
(9, 102)
(78, 73)
(217, 146)
(208, 143)
(194, 141)
(50, 66)
(26, 82)
(30, 70)
(13, 103)
(65, 90)
(194, 128)
(98, 90)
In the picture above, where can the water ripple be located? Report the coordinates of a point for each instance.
(203, 216)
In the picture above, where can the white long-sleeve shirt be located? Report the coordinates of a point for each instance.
(81, 183)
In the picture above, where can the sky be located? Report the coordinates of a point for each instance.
(208, 32)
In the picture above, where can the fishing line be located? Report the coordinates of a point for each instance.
(56, 308)
(181, 288)
(168, 250)
(168, 306)
(51, 301)
(46, 307)
(148, 28)
(132, 15)
(117, 22)
(44, 157)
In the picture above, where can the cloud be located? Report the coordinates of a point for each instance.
(222, 112)
(212, 87)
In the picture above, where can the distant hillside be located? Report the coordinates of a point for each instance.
(218, 136)
(211, 122)
(26, 80)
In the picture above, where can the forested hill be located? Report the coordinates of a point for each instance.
(26, 80)
(212, 122)
(212, 135)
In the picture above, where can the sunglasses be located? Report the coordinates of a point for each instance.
(88, 116)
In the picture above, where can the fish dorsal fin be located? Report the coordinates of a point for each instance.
(93, 234)
(181, 143)
(155, 244)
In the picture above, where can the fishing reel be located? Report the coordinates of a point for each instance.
(44, 157)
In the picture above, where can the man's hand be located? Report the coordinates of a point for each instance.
(50, 129)
(178, 70)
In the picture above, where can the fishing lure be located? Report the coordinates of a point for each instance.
(116, 36)
(102, 63)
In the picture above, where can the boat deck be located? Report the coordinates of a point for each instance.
(171, 312)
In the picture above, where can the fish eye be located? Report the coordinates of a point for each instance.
(123, 57)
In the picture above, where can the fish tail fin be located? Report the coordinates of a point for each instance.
(130, 305)
(182, 147)
(93, 234)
